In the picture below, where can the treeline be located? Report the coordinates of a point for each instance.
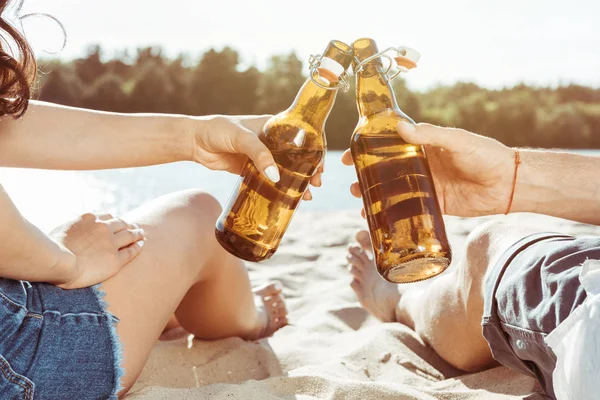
(565, 117)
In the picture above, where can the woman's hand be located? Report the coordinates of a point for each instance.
(473, 175)
(225, 143)
(96, 247)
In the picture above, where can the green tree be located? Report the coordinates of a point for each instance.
(280, 83)
(148, 81)
(90, 67)
(106, 94)
(61, 85)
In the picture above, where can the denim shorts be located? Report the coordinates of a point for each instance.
(531, 289)
(56, 344)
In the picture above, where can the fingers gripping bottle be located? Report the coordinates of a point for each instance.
(405, 221)
(259, 211)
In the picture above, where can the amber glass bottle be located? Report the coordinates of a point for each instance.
(259, 211)
(405, 221)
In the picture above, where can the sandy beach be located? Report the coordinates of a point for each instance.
(333, 349)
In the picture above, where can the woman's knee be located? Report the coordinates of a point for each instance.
(180, 227)
(190, 214)
(199, 205)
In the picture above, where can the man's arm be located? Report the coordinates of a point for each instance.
(51, 136)
(560, 184)
(474, 176)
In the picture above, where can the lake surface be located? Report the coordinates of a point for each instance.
(48, 198)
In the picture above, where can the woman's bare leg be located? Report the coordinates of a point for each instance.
(183, 270)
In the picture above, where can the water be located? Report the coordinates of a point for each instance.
(48, 198)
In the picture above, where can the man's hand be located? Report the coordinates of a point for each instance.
(473, 174)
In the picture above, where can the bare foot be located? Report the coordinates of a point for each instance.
(376, 295)
(271, 310)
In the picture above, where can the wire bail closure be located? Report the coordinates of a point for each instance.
(400, 52)
(314, 62)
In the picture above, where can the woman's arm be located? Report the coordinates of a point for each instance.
(26, 253)
(51, 136)
(81, 253)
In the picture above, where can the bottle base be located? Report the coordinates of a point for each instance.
(415, 270)
(242, 247)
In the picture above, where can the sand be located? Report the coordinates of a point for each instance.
(333, 349)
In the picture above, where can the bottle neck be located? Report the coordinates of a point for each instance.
(313, 104)
(374, 93)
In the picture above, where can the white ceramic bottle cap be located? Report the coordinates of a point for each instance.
(330, 70)
(407, 58)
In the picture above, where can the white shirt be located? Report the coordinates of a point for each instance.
(576, 343)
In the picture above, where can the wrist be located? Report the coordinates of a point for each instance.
(513, 182)
(535, 186)
(64, 270)
(185, 137)
(504, 164)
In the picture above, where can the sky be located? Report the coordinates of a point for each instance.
(489, 42)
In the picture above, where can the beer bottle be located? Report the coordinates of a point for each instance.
(403, 213)
(259, 211)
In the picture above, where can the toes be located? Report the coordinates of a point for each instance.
(277, 306)
(356, 273)
(356, 285)
(269, 289)
(359, 253)
(279, 312)
(364, 239)
(354, 260)
(280, 322)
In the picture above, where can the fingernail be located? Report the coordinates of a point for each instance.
(272, 173)
(406, 126)
(138, 231)
(278, 285)
(141, 243)
(136, 226)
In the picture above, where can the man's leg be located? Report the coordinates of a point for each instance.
(445, 311)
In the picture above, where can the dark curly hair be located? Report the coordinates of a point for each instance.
(17, 69)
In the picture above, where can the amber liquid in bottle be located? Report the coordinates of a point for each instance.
(403, 213)
(259, 212)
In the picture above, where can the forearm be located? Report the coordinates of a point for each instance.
(26, 253)
(50, 136)
(560, 184)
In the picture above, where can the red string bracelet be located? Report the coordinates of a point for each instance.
(512, 193)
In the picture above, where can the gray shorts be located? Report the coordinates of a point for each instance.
(529, 292)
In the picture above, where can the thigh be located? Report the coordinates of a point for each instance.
(55, 343)
(145, 293)
(532, 288)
